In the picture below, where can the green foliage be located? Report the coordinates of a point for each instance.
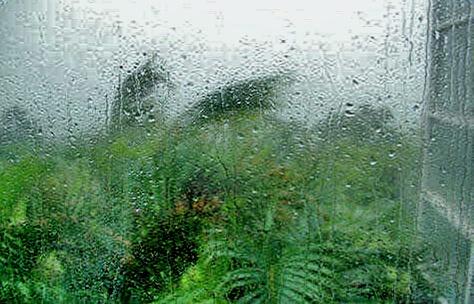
(289, 230)
(16, 183)
(238, 206)
(363, 123)
(274, 267)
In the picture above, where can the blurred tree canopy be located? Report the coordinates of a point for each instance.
(140, 93)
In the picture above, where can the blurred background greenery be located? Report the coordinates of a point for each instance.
(228, 203)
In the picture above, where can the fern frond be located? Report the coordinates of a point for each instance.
(308, 266)
(255, 297)
(304, 288)
(317, 259)
(303, 274)
(243, 276)
(221, 249)
(289, 296)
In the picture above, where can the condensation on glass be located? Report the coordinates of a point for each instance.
(236, 151)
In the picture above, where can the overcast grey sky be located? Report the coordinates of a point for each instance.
(61, 57)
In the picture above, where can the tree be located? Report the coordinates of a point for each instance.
(244, 97)
(138, 94)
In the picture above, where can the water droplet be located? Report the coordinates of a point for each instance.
(349, 113)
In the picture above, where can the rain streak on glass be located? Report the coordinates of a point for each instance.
(236, 152)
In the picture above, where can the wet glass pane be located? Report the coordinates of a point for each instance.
(236, 152)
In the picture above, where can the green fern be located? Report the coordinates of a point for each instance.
(277, 268)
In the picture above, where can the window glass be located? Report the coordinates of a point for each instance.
(236, 151)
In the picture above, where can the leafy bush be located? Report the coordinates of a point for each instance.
(232, 205)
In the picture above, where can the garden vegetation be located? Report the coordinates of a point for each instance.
(227, 204)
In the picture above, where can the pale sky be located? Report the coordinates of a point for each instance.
(63, 56)
(230, 20)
